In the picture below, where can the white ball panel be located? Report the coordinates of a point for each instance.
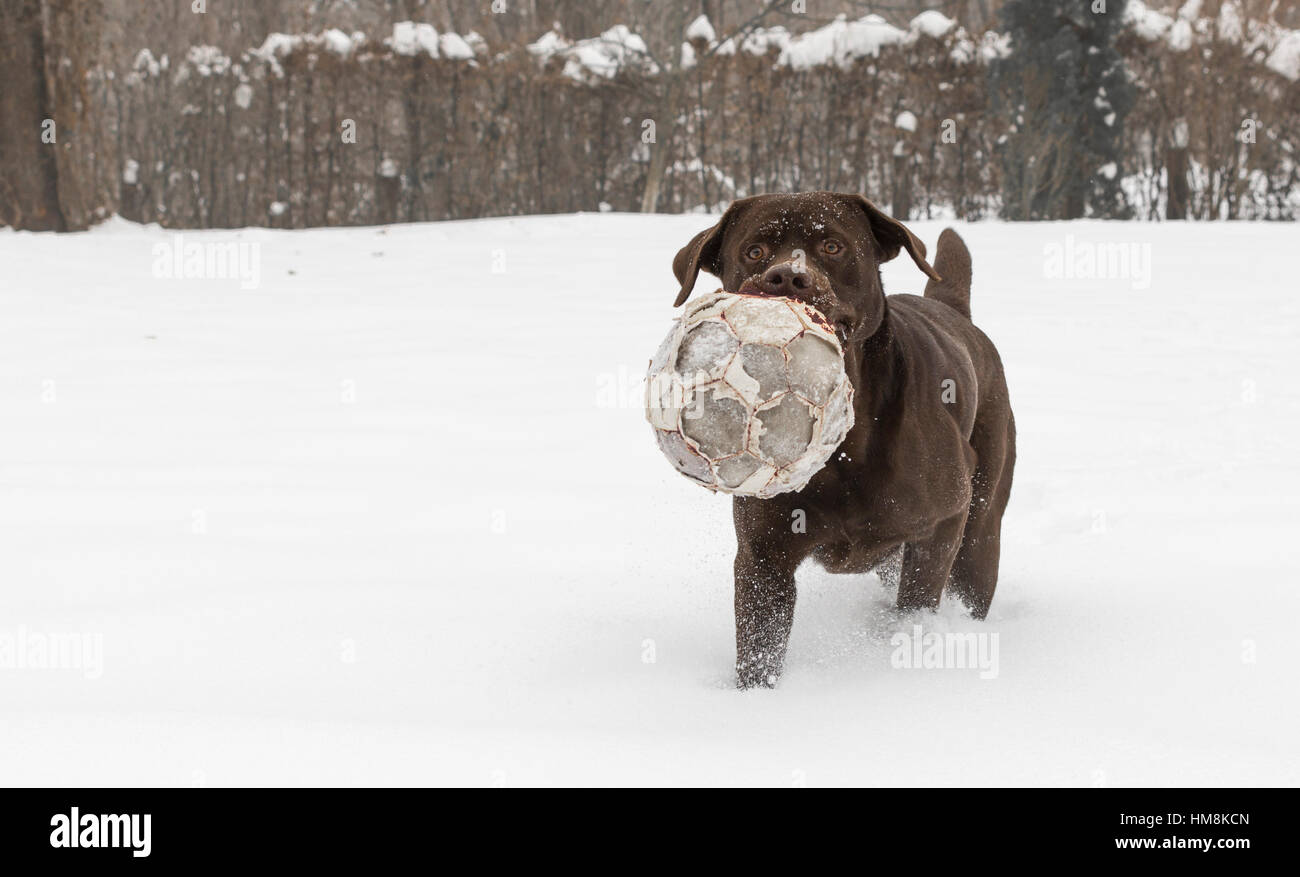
(763, 320)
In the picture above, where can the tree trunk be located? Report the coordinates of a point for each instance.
(1176, 171)
(29, 187)
(665, 121)
(900, 201)
(669, 108)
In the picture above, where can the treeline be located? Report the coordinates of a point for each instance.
(1215, 131)
(335, 130)
(413, 125)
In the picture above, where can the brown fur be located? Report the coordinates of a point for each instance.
(928, 463)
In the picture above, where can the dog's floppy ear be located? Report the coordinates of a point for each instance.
(686, 264)
(702, 252)
(892, 236)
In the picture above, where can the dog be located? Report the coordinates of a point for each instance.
(927, 466)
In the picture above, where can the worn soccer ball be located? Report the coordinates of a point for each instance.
(748, 394)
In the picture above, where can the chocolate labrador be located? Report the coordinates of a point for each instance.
(927, 465)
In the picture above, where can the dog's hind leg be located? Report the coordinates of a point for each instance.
(927, 564)
(975, 571)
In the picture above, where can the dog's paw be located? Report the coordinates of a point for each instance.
(757, 676)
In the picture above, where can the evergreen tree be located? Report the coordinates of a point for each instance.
(1065, 93)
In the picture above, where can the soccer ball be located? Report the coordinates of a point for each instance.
(748, 394)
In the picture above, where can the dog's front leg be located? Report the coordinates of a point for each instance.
(765, 595)
(927, 564)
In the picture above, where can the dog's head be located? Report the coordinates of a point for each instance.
(823, 248)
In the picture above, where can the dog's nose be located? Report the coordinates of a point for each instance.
(783, 279)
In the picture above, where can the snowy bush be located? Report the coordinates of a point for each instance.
(415, 123)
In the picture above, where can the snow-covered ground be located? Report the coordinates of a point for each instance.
(393, 516)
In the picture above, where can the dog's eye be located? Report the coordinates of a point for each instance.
(832, 248)
(755, 252)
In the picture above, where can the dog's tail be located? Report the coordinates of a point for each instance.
(952, 263)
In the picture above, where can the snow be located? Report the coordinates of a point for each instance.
(701, 29)
(906, 121)
(1285, 57)
(1230, 27)
(455, 47)
(413, 38)
(760, 41)
(146, 63)
(476, 42)
(601, 57)
(277, 45)
(1182, 133)
(605, 55)
(548, 44)
(337, 42)
(396, 517)
(841, 42)
(1149, 24)
(419, 38)
(932, 23)
(1281, 47)
(688, 56)
(207, 60)
(333, 40)
(994, 46)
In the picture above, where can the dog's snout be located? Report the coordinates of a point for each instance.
(784, 279)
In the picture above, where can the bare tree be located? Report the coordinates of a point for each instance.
(47, 173)
(669, 88)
